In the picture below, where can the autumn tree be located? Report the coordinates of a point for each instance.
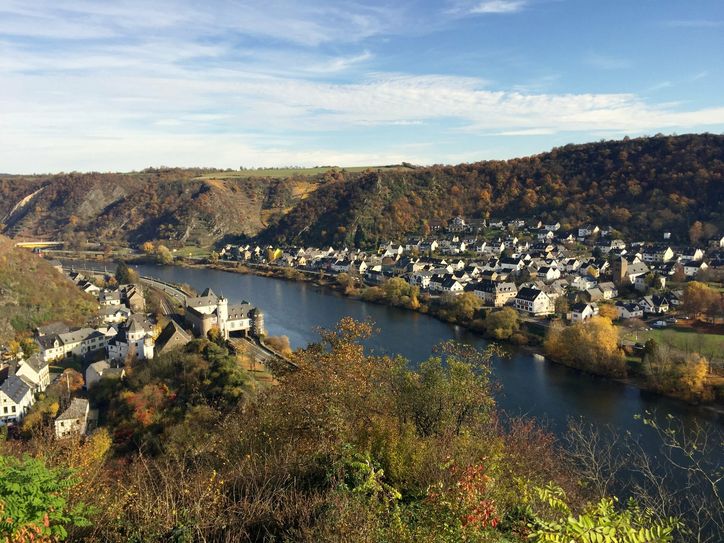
(164, 255)
(608, 311)
(502, 324)
(700, 299)
(696, 232)
(591, 345)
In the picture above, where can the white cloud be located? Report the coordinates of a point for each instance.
(499, 6)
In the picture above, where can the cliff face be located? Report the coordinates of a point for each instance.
(32, 293)
(174, 205)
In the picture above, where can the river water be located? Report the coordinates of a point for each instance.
(528, 386)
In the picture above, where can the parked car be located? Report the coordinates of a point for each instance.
(660, 324)
(672, 320)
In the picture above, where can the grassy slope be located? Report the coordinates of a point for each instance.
(32, 292)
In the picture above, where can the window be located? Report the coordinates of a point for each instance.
(13, 409)
(5, 409)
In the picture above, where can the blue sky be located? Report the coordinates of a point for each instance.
(117, 86)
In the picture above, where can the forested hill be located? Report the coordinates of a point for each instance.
(641, 187)
(33, 293)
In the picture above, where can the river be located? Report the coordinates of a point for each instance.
(528, 386)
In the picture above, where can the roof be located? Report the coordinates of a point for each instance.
(78, 408)
(100, 366)
(580, 307)
(15, 388)
(170, 330)
(76, 336)
(138, 323)
(528, 294)
(36, 362)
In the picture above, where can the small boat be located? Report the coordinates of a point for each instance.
(538, 357)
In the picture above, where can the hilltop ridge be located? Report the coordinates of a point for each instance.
(639, 186)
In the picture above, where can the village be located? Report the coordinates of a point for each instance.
(123, 332)
(536, 268)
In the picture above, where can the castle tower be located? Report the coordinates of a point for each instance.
(222, 314)
(257, 322)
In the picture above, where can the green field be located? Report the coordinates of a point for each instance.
(685, 340)
(290, 172)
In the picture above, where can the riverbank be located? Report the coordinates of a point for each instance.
(331, 284)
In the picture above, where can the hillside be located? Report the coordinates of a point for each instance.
(639, 186)
(32, 293)
(170, 204)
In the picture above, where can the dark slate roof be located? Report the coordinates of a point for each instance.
(53, 328)
(579, 307)
(528, 294)
(15, 388)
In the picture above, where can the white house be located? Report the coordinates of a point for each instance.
(16, 397)
(534, 302)
(73, 420)
(629, 310)
(34, 371)
(135, 338)
(581, 312)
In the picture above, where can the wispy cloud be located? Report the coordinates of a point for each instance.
(88, 85)
(499, 6)
(607, 62)
(693, 23)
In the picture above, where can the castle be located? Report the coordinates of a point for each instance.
(211, 311)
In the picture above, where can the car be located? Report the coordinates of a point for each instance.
(660, 324)
(672, 320)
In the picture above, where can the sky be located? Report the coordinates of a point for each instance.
(121, 85)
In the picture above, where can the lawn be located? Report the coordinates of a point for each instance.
(685, 340)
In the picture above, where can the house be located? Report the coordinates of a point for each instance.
(690, 253)
(548, 274)
(450, 284)
(494, 293)
(580, 312)
(511, 264)
(134, 339)
(628, 310)
(114, 314)
(654, 304)
(99, 370)
(108, 297)
(35, 371)
(134, 298)
(588, 230)
(693, 267)
(16, 397)
(608, 289)
(73, 420)
(171, 337)
(657, 253)
(534, 302)
(554, 227)
(73, 343)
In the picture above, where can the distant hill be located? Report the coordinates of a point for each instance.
(641, 187)
(32, 293)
